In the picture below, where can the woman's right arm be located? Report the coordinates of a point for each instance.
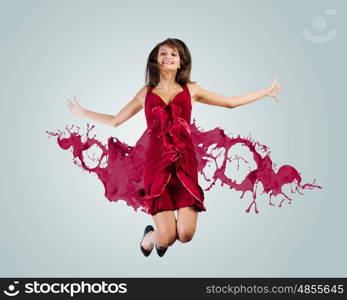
(129, 110)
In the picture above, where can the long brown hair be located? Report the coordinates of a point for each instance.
(183, 73)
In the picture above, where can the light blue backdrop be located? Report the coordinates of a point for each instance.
(54, 219)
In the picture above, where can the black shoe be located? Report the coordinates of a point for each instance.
(144, 251)
(161, 251)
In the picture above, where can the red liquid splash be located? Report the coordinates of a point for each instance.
(120, 166)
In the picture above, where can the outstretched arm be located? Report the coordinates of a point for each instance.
(129, 110)
(204, 96)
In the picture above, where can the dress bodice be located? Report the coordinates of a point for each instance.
(180, 106)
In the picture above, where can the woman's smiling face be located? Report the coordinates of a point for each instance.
(168, 58)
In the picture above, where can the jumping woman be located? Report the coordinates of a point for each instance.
(170, 171)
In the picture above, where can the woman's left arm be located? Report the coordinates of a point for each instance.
(204, 96)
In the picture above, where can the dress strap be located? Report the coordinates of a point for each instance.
(184, 86)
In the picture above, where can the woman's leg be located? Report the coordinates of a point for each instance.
(165, 233)
(186, 223)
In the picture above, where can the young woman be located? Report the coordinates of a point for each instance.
(170, 170)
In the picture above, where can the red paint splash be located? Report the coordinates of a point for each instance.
(120, 166)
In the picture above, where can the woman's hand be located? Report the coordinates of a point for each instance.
(75, 108)
(274, 89)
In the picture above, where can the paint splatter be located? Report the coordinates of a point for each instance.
(120, 166)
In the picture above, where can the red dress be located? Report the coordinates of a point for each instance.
(161, 171)
(170, 168)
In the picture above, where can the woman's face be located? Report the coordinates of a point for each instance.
(168, 58)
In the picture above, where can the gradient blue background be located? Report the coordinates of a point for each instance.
(54, 219)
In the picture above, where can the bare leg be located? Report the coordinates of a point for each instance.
(147, 242)
(186, 223)
(165, 233)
